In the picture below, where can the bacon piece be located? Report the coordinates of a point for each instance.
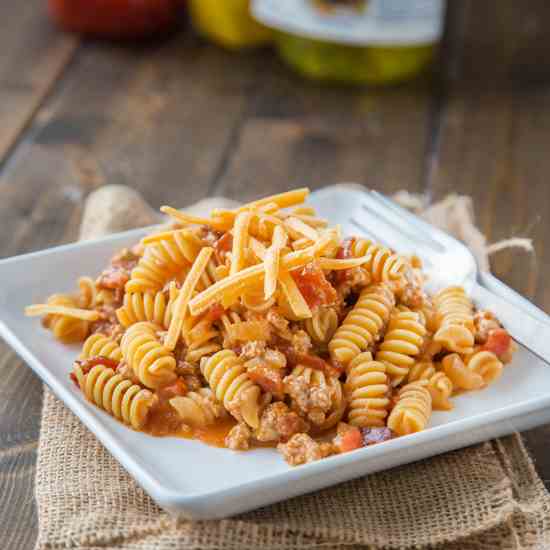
(313, 285)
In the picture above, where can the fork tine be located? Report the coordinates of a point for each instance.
(391, 226)
(430, 232)
(367, 232)
(378, 238)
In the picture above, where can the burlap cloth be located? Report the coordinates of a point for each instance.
(484, 497)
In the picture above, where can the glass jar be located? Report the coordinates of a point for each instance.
(228, 23)
(353, 41)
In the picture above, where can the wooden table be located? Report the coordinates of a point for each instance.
(182, 120)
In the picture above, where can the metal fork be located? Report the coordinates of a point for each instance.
(449, 262)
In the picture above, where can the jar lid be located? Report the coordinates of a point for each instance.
(356, 22)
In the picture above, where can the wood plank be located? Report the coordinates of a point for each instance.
(159, 119)
(34, 55)
(302, 134)
(495, 127)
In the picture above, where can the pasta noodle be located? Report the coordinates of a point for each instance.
(232, 386)
(322, 325)
(363, 324)
(98, 345)
(413, 409)
(460, 375)
(147, 306)
(439, 384)
(262, 325)
(118, 396)
(486, 364)
(198, 409)
(368, 389)
(384, 265)
(152, 363)
(402, 343)
(455, 320)
(69, 324)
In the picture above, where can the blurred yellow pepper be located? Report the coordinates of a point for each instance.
(228, 23)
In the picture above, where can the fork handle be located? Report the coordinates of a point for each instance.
(491, 283)
(529, 331)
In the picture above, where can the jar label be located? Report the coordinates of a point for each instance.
(356, 22)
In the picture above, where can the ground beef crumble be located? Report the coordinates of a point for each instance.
(302, 449)
(484, 322)
(118, 272)
(279, 423)
(238, 439)
(312, 401)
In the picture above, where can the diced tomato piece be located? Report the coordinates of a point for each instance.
(73, 377)
(345, 249)
(88, 364)
(498, 342)
(178, 388)
(215, 312)
(313, 285)
(269, 379)
(349, 441)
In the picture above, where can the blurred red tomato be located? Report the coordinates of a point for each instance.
(115, 18)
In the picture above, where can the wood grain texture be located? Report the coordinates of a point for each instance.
(182, 120)
(301, 134)
(34, 56)
(494, 131)
(160, 119)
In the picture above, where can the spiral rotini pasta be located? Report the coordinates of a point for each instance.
(455, 320)
(439, 384)
(367, 388)
(460, 375)
(170, 255)
(152, 363)
(486, 364)
(146, 306)
(98, 345)
(322, 325)
(65, 328)
(384, 265)
(148, 275)
(88, 293)
(229, 381)
(363, 324)
(202, 339)
(401, 344)
(198, 409)
(413, 409)
(116, 395)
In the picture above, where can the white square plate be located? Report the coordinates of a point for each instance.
(226, 482)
